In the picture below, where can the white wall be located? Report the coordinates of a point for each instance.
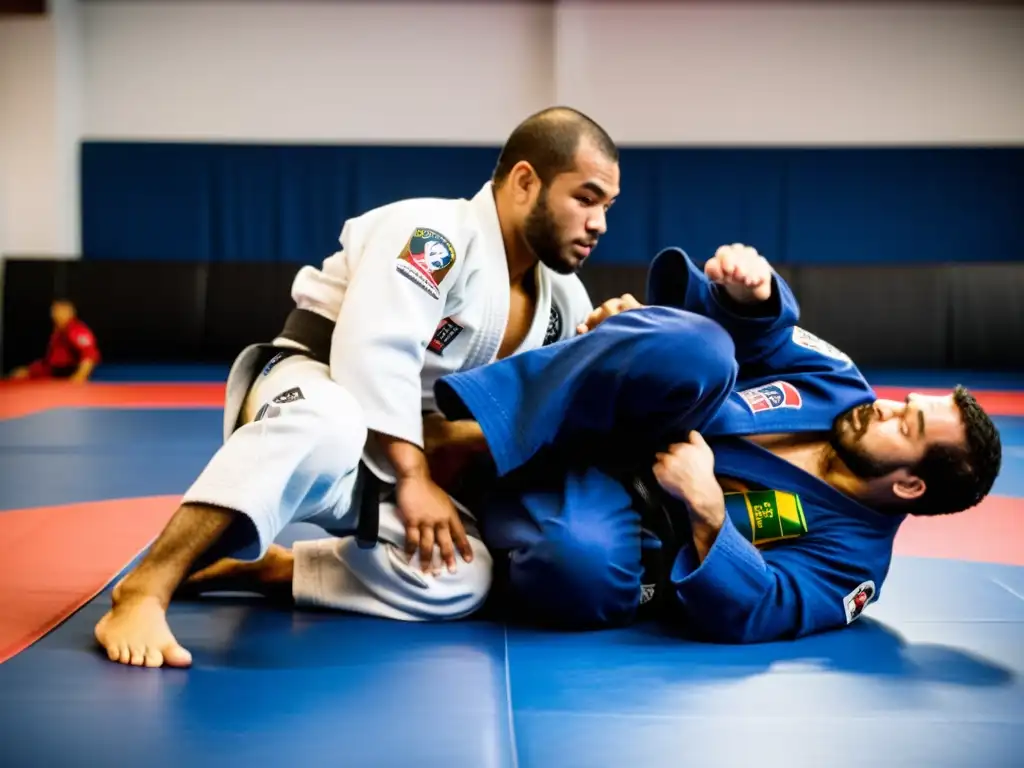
(28, 122)
(695, 72)
(315, 71)
(829, 73)
(713, 72)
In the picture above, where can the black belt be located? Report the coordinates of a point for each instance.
(658, 520)
(314, 332)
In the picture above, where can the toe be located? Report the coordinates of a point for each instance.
(154, 658)
(176, 656)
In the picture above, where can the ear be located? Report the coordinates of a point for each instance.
(523, 181)
(909, 488)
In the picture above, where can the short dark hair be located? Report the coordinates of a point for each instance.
(957, 478)
(548, 141)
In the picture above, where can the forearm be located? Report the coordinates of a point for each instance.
(84, 370)
(466, 435)
(704, 533)
(407, 459)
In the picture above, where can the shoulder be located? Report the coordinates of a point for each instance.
(445, 219)
(79, 332)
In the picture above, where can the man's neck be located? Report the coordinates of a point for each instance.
(813, 454)
(809, 452)
(520, 259)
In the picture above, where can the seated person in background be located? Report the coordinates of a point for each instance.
(72, 352)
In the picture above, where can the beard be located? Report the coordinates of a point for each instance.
(846, 440)
(541, 234)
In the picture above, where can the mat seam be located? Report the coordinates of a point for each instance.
(508, 699)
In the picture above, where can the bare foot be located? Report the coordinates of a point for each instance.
(135, 632)
(271, 575)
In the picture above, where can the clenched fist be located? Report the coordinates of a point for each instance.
(745, 274)
(687, 472)
(608, 309)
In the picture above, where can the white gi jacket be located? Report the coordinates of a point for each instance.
(420, 289)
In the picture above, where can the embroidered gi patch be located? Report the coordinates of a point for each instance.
(426, 259)
(289, 396)
(766, 516)
(768, 397)
(445, 334)
(554, 331)
(647, 593)
(808, 340)
(855, 602)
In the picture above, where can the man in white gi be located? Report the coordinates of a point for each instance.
(330, 416)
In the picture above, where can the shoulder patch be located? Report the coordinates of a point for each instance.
(808, 340)
(554, 331)
(426, 259)
(855, 602)
(768, 397)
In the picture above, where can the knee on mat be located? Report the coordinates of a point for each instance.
(444, 597)
(577, 578)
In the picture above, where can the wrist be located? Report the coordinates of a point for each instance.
(704, 531)
(407, 460)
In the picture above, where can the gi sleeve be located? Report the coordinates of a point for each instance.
(84, 342)
(630, 384)
(394, 302)
(758, 330)
(740, 594)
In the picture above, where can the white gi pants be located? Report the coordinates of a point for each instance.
(294, 459)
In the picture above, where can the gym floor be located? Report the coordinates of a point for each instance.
(929, 676)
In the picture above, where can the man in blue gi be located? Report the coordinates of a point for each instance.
(714, 435)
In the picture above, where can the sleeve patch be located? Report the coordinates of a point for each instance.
(855, 602)
(426, 259)
(768, 397)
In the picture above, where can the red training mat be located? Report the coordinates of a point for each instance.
(57, 559)
(25, 398)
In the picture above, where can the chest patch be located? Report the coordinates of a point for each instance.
(766, 516)
(768, 397)
(808, 340)
(445, 334)
(554, 331)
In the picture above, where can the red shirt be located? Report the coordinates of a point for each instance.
(67, 348)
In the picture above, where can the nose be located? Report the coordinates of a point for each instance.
(886, 409)
(597, 224)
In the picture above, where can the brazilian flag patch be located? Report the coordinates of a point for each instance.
(766, 516)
